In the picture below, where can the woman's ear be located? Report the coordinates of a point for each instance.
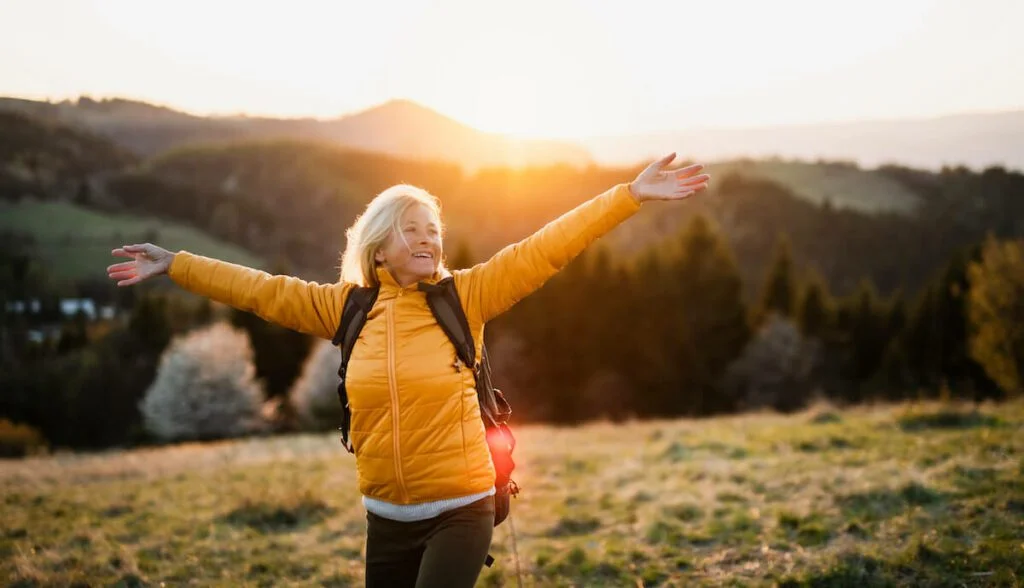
(378, 256)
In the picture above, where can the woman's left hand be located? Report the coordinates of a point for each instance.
(655, 184)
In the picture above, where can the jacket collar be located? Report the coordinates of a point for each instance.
(389, 287)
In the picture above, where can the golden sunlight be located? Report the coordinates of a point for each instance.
(569, 69)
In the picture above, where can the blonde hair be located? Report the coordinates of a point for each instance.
(371, 230)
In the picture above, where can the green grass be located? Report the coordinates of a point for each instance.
(76, 242)
(846, 186)
(923, 496)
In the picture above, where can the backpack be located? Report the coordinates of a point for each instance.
(444, 303)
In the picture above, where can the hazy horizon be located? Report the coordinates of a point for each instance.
(565, 70)
(667, 131)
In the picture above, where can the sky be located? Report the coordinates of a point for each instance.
(530, 68)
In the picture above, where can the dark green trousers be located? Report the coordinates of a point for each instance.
(448, 550)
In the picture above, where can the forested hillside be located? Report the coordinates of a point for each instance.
(822, 277)
(399, 128)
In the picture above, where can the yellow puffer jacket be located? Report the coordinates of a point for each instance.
(416, 425)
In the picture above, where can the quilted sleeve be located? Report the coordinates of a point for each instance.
(307, 307)
(495, 285)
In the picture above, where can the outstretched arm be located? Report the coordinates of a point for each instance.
(519, 269)
(306, 307)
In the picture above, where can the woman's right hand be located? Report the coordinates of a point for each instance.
(148, 261)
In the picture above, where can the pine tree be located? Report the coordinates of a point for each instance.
(148, 323)
(922, 341)
(936, 337)
(706, 322)
(896, 315)
(894, 371)
(866, 341)
(641, 348)
(779, 291)
(815, 308)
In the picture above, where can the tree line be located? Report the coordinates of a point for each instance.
(747, 297)
(671, 333)
(674, 335)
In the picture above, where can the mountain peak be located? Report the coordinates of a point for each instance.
(405, 109)
(402, 103)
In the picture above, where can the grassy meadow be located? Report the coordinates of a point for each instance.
(846, 186)
(924, 495)
(76, 241)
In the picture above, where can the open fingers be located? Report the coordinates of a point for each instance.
(687, 191)
(134, 248)
(117, 267)
(654, 169)
(688, 171)
(122, 274)
(130, 281)
(693, 181)
(665, 160)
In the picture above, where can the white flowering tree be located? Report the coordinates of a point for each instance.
(205, 388)
(775, 368)
(315, 393)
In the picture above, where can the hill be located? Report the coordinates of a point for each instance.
(911, 495)
(406, 129)
(976, 141)
(45, 155)
(292, 200)
(842, 185)
(835, 185)
(75, 242)
(399, 128)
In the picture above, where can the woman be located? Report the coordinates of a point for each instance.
(423, 464)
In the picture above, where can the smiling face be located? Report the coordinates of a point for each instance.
(414, 252)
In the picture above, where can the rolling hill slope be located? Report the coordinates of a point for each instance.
(399, 128)
(844, 186)
(75, 242)
(406, 129)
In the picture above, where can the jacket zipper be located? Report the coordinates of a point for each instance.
(393, 387)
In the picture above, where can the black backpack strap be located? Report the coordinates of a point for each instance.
(358, 304)
(444, 303)
(353, 316)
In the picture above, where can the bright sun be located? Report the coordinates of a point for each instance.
(503, 107)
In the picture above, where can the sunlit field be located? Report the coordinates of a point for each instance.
(908, 495)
